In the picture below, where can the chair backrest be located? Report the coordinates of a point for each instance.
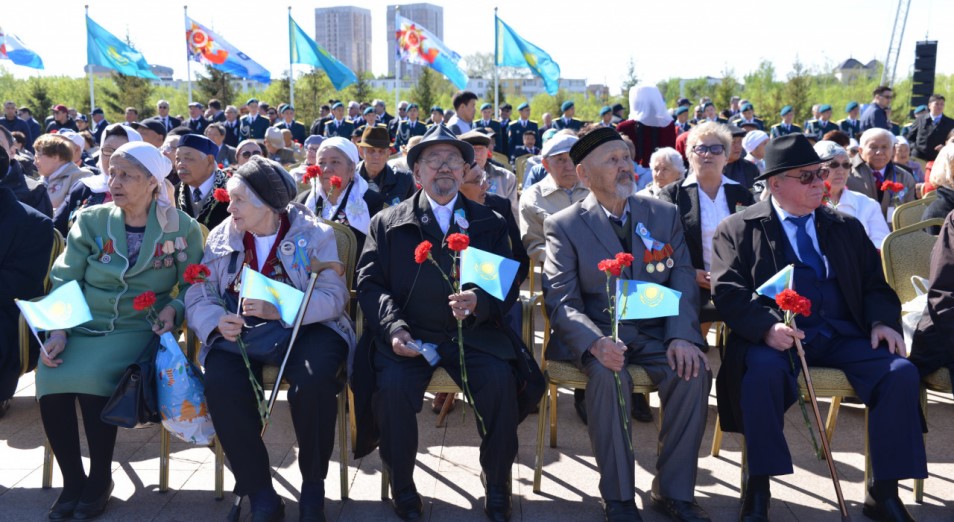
(906, 252)
(59, 245)
(520, 164)
(502, 159)
(347, 249)
(23, 329)
(909, 213)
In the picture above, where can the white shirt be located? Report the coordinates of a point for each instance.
(263, 245)
(791, 228)
(866, 210)
(624, 218)
(443, 213)
(711, 213)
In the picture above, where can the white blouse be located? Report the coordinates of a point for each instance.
(866, 210)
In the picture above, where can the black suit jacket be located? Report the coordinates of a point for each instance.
(198, 126)
(748, 249)
(515, 132)
(924, 136)
(501, 205)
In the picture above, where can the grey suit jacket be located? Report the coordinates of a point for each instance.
(578, 238)
(861, 180)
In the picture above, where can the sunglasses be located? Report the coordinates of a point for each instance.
(248, 154)
(715, 150)
(845, 165)
(806, 177)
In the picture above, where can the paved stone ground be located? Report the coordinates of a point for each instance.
(448, 473)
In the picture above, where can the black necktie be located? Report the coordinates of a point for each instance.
(196, 195)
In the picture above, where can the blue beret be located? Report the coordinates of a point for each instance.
(706, 105)
(199, 143)
(251, 101)
(785, 110)
(485, 106)
(747, 107)
(852, 105)
(97, 110)
(523, 106)
(567, 105)
(605, 110)
(368, 110)
(336, 105)
(824, 108)
(920, 108)
(285, 107)
(436, 108)
(680, 110)
(412, 106)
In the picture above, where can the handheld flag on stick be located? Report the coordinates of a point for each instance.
(642, 300)
(287, 299)
(210, 49)
(493, 273)
(514, 51)
(13, 49)
(419, 46)
(64, 308)
(302, 49)
(778, 282)
(102, 48)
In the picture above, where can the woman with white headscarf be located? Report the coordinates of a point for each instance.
(650, 126)
(350, 202)
(116, 251)
(94, 190)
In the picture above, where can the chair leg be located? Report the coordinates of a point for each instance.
(164, 449)
(352, 420)
(385, 483)
(445, 409)
(553, 415)
(219, 469)
(541, 427)
(716, 438)
(744, 471)
(832, 418)
(47, 465)
(919, 483)
(869, 479)
(343, 442)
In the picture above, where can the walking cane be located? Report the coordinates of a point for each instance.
(821, 429)
(316, 268)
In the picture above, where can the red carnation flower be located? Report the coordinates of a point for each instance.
(624, 259)
(458, 242)
(144, 301)
(827, 186)
(312, 172)
(221, 195)
(196, 273)
(804, 307)
(610, 266)
(422, 252)
(221, 166)
(790, 301)
(335, 182)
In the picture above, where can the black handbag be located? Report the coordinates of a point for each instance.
(266, 341)
(134, 403)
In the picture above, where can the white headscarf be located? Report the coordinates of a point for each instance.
(99, 184)
(648, 107)
(159, 166)
(356, 209)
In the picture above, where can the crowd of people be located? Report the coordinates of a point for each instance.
(711, 206)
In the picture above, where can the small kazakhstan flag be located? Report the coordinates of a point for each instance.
(493, 273)
(64, 308)
(512, 50)
(642, 300)
(302, 49)
(287, 299)
(103, 48)
(778, 282)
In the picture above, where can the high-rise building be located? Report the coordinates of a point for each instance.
(345, 32)
(428, 16)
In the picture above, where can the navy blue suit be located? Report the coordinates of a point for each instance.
(515, 133)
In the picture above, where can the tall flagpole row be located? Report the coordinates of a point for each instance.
(291, 67)
(397, 63)
(185, 9)
(496, 72)
(89, 67)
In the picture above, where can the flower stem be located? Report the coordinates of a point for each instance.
(621, 397)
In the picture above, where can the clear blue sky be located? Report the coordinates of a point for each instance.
(591, 40)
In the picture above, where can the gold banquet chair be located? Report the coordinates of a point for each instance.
(520, 168)
(910, 213)
(565, 374)
(502, 158)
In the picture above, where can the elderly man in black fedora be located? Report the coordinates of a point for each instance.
(393, 185)
(409, 305)
(854, 326)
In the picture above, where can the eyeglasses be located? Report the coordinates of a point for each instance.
(806, 177)
(845, 165)
(312, 149)
(715, 150)
(436, 162)
(480, 180)
(248, 154)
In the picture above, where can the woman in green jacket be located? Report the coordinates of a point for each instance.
(116, 251)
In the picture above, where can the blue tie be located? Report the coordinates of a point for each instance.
(806, 249)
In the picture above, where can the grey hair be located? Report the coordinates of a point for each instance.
(875, 133)
(709, 128)
(829, 149)
(237, 185)
(671, 156)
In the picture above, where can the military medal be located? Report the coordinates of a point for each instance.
(107, 250)
(157, 257)
(302, 242)
(669, 262)
(650, 268)
(181, 245)
(660, 266)
(461, 220)
(656, 252)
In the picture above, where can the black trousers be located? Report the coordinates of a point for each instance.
(315, 379)
(399, 397)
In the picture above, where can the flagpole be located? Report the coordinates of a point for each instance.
(35, 334)
(89, 73)
(185, 9)
(397, 63)
(291, 72)
(496, 72)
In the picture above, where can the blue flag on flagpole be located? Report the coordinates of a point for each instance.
(493, 273)
(304, 50)
(287, 299)
(514, 51)
(102, 48)
(64, 308)
(778, 282)
(642, 300)
(13, 49)
(210, 49)
(417, 45)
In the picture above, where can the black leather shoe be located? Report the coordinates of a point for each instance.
(63, 509)
(680, 510)
(497, 503)
(621, 511)
(408, 505)
(640, 409)
(311, 513)
(91, 510)
(886, 510)
(755, 506)
(273, 515)
(579, 402)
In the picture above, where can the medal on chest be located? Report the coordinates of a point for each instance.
(658, 255)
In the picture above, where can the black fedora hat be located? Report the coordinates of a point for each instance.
(375, 136)
(440, 134)
(786, 153)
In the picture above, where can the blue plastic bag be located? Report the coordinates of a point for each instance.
(181, 394)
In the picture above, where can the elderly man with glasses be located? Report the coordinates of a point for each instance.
(854, 326)
(874, 165)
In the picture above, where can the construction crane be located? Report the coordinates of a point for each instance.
(894, 47)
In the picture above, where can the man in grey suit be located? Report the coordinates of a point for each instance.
(610, 220)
